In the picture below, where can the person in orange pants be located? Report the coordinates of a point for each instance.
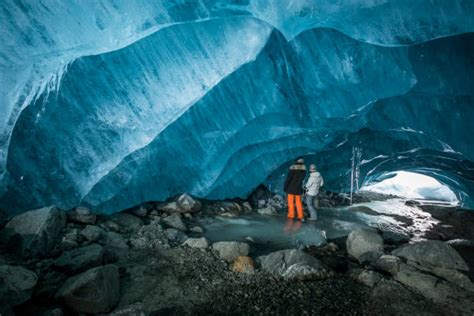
(294, 188)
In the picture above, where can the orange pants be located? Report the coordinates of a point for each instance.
(292, 198)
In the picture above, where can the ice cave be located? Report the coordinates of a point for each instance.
(133, 128)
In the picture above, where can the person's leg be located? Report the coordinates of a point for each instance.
(291, 206)
(299, 207)
(312, 211)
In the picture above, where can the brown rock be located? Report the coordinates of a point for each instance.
(243, 264)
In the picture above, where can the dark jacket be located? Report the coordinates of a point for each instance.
(294, 180)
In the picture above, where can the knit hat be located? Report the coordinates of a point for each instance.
(300, 160)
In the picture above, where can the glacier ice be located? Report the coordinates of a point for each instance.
(121, 102)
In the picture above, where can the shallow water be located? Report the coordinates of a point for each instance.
(271, 233)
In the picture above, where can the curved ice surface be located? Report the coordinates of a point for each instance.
(119, 102)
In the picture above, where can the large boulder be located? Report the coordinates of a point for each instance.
(432, 253)
(36, 232)
(16, 285)
(362, 241)
(269, 210)
(79, 259)
(174, 221)
(230, 250)
(81, 215)
(433, 288)
(93, 291)
(182, 204)
(292, 264)
(175, 236)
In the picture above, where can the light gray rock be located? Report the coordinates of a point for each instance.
(174, 221)
(35, 231)
(197, 229)
(201, 243)
(92, 233)
(269, 210)
(93, 291)
(16, 285)
(229, 250)
(388, 263)
(361, 241)
(292, 264)
(369, 278)
(182, 204)
(82, 215)
(432, 253)
(79, 259)
(140, 212)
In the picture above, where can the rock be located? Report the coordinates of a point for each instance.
(269, 210)
(361, 241)
(370, 257)
(432, 253)
(149, 236)
(70, 239)
(93, 291)
(92, 233)
(197, 229)
(116, 240)
(128, 222)
(431, 287)
(174, 221)
(389, 297)
(388, 263)
(243, 264)
(81, 215)
(111, 226)
(292, 264)
(187, 204)
(175, 236)
(395, 237)
(36, 232)
(182, 204)
(412, 203)
(140, 212)
(261, 203)
(54, 312)
(230, 250)
(201, 243)
(455, 277)
(367, 277)
(247, 207)
(79, 259)
(16, 285)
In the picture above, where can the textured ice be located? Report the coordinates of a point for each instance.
(119, 102)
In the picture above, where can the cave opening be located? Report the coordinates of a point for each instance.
(411, 185)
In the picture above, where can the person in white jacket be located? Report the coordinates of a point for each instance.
(314, 182)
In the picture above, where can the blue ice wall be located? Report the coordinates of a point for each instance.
(124, 102)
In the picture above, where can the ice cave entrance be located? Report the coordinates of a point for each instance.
(412, 185)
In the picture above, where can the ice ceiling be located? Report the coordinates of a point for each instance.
(117, 102)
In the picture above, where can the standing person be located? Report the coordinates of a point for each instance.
(294, 188)
(315, 181)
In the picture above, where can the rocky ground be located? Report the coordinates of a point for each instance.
(154, 260)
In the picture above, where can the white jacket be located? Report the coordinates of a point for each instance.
(315, 181)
